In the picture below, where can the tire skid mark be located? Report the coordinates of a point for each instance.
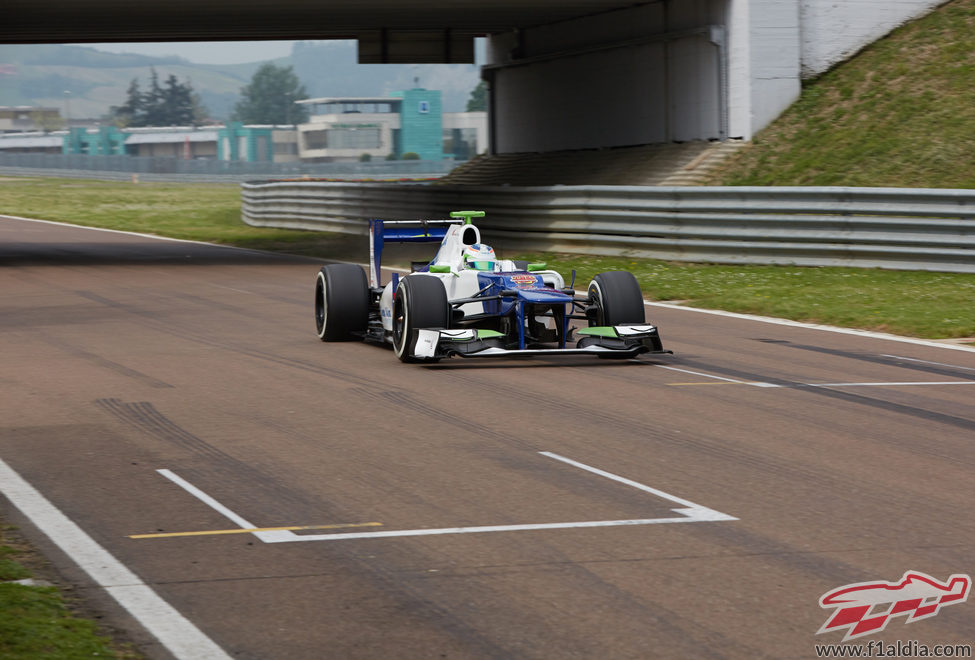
(414, 594)
(155, 322)
(888, 361)
(861, 399)
(100, 361)
(540, 470)
(262, 487)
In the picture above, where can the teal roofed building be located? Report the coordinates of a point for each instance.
(388, 127)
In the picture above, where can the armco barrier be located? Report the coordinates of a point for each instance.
(916, 229)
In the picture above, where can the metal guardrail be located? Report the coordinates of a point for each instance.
(915, 229)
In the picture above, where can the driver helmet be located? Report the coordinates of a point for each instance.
(480, 257)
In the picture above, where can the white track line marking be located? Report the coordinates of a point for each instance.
(801, 385)
(206, 499)
(156, 237)
(728, 380)
(623, 480)
(939, 364)
(699, 373)
(121, 231)
(177, 634)
(690, 512)
(891, 384)
(815, 326)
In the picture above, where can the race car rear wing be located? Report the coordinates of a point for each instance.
(408, 231)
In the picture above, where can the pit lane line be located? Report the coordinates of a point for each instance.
(174, 631)
(689, 512)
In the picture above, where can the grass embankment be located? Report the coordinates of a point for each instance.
(899, 114)
(933, 305)
(35, 621)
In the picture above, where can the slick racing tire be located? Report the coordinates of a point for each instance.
(420, 302)
(341, 302)
(616, 299)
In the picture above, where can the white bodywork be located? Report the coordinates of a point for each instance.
(460, 282)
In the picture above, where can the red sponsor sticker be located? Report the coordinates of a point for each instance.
(524, 279)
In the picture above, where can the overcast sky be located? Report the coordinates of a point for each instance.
(202, 52)
(226, 52)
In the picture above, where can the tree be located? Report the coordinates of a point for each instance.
(126, 114)
(174, 104)
(478, 100)
(153, 111)
(270, 97)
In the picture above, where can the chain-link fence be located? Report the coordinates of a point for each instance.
(175, 169)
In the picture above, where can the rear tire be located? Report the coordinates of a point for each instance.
(341, 302)
(420, 302)
(617, 299)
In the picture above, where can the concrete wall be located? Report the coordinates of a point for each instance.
(473, 121)
(635, 76)
(671, 70)
(832, 31)
(763, 62)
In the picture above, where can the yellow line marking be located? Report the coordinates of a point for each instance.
(251, 530)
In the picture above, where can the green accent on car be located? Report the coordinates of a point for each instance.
(600, 331)
(439, 268)
(479, 334)
(467, 215)
(534, 267)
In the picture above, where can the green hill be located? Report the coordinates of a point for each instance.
(41, 74)
(901, 113)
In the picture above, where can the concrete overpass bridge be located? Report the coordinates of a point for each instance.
(562, 74)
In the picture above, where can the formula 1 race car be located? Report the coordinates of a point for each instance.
(467, 302)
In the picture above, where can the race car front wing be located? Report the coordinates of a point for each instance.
(621, 341)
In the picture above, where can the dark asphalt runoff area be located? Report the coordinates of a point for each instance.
(167, 396)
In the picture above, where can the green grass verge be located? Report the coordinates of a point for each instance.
(36, 621)
(921, 304)
(899, 114)
(197, 212)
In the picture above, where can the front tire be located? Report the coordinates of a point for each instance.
(420, 302)
(341, 302)
(616, 299)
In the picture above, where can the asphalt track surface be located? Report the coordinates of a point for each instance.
(153, 387)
